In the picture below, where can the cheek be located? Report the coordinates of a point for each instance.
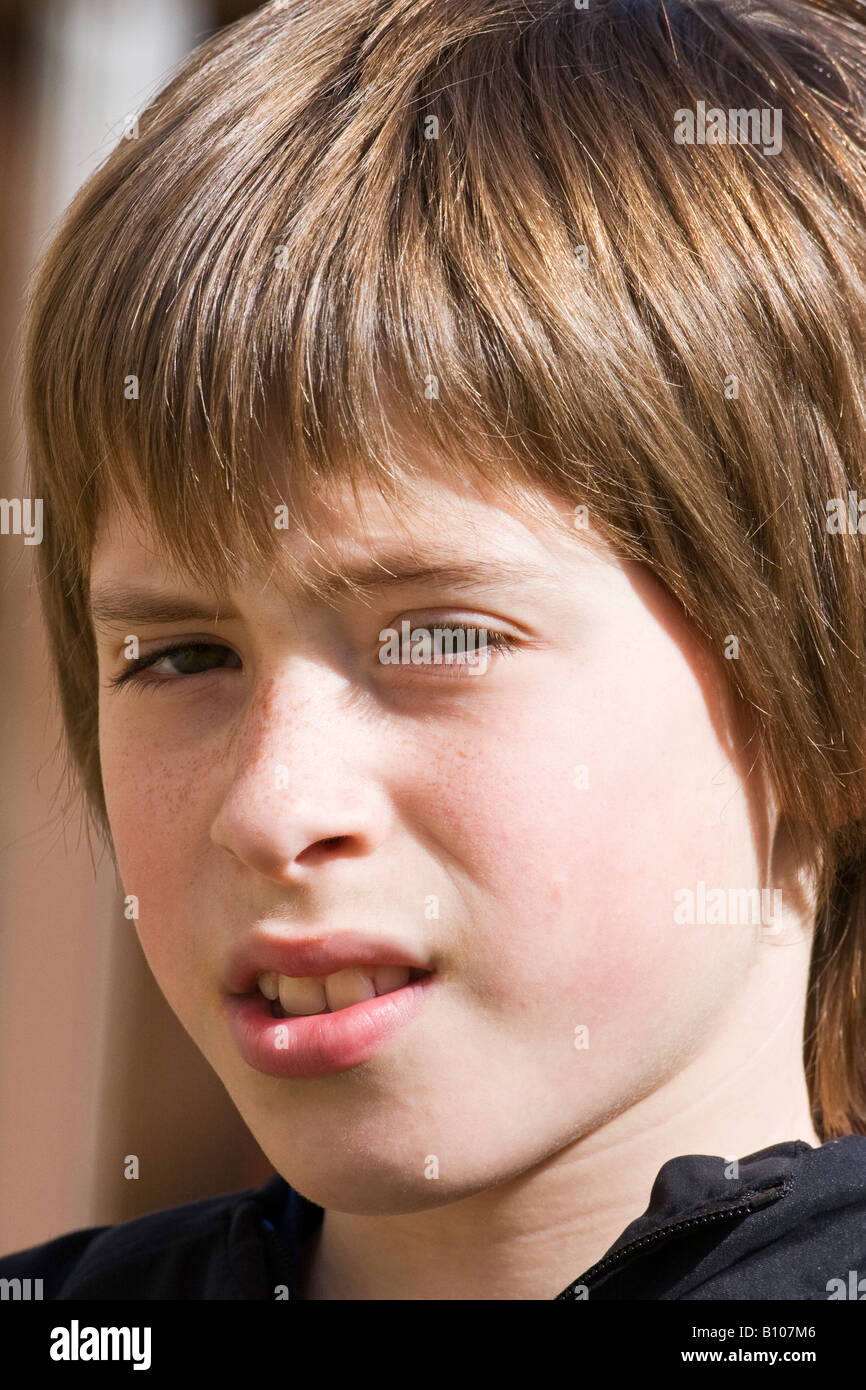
(576, 811)
(156, 809)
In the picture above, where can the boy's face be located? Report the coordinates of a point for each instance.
(521, 832)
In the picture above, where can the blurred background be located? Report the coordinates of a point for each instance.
(93, 1064)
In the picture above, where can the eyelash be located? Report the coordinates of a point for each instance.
(497, 643)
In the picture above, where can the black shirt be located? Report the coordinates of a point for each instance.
(790, 1225)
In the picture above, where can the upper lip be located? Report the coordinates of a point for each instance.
(311, 956)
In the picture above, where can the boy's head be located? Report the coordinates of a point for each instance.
(434, 288)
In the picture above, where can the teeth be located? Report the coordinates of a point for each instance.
(338, 991)
(348, 987)
(390, 977)
(305, 996)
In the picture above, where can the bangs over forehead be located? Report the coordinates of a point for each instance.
(329, 204)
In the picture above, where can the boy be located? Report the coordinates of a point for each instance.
(536, 972)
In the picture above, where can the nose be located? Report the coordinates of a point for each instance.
(303, 787)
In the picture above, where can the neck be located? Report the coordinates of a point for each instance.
(528, 1238)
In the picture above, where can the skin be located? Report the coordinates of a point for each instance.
(556, 902)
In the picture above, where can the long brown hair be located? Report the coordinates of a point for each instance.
(481, 208)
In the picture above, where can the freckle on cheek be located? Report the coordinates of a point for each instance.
(161, 786)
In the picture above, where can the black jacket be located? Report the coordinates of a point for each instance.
(790, 1224)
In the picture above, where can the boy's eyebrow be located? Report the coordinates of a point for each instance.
(123, 605)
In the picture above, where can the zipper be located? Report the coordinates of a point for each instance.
(753, 1202)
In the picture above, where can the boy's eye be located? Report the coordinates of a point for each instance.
(444, 657)
(198, 658)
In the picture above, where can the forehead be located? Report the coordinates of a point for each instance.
(436, 519)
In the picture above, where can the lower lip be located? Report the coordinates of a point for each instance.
(321, 1043)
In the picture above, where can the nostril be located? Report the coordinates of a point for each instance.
(349, 845)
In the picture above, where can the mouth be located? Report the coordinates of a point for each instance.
(291, 996)
(291, 1026)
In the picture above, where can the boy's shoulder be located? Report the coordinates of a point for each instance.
(224, 1247)
(785, 1222)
